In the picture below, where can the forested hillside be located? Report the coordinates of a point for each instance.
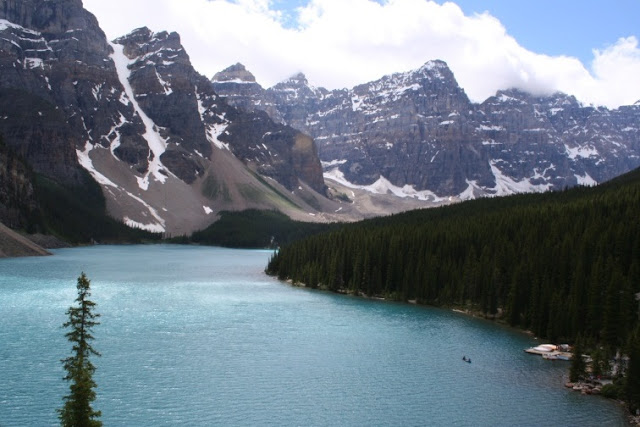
(253, 228)
(558, 264)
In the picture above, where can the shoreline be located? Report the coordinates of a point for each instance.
(581, 386)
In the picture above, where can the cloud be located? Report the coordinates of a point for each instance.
(617, 71)
(341, 43)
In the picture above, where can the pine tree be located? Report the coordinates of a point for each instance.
(77, 410)
(578, 369)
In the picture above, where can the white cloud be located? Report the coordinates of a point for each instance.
(617, 72)
(341, 43)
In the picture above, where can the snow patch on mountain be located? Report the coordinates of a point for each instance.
(584, 152)
(383, 186)
(166, 86)
(154, 228)
(31, 63)
(213, 133)
(586, 180)
(114, 135)
(4, 24)
(484, 127)
(506, 185)
(85, 162)
(332, 163)
(156, 143)
(470, 193)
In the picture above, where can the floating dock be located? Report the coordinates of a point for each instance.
(550, 352)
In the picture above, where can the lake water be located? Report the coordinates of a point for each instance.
(200, 336)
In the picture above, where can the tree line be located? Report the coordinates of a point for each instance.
(558, 264)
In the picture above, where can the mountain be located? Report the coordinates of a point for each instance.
(167, 151)
(416, 134)
(129, 129)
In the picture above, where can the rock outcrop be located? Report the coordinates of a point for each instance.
(17, 198)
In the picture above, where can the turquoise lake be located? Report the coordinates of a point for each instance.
(200, 336)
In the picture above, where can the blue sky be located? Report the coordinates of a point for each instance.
(585, 48)
(563, 27)
(554, 27)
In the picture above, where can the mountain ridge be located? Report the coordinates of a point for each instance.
(148, 128)
(416, 134)
(171, 148)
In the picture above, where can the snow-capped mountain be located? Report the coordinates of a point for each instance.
(168, 152)
(417, 134)
(170, 148)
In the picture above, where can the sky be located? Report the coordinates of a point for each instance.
(586, 48)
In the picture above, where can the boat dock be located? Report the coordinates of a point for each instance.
(551, 351)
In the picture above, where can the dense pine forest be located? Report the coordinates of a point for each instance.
(559, 264)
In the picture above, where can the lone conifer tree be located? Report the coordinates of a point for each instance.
(77, 411)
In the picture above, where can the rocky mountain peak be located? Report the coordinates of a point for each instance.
(296, 86)
(142, 41)
(235, 73)
(47, 16)
(62, 23)
(239, 87)
(139, 35)
(297, 80)
(562, 99)
(436, 68)
(55, 59)
(418, 130)
(509, 97)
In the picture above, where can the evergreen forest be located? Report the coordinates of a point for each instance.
(560, 264)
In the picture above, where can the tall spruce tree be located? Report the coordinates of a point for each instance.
(77, 410)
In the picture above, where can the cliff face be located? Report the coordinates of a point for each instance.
(186, 109)
(418, 134)
(17, 199)
(165, 88)
(239, 88)
(135, 114)
(282, 153)
(52, 56)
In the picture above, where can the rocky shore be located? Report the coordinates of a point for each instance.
(585, 387)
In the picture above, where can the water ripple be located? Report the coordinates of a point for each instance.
(215, 342)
